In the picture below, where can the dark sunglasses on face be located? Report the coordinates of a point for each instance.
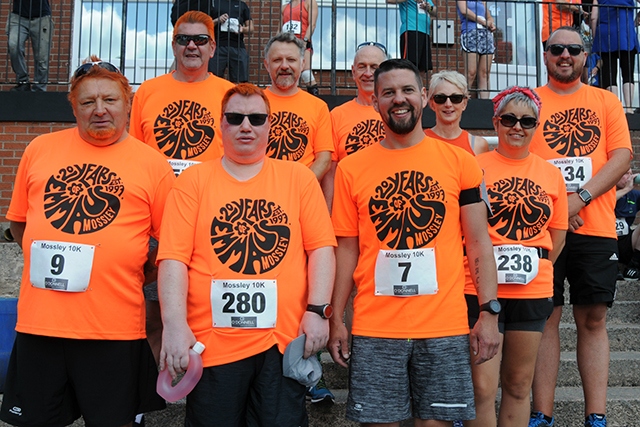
(84, 68)
(198, 39)
(455, 98)
(236, 119)
(558, 49)
(526, 122)
(380, 46)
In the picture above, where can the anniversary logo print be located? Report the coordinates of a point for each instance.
(184, 130)
(520, 208)
(364, 134)
(407, 210)
(250, 236)
(288, 137)
(573, 133)
(83, 199)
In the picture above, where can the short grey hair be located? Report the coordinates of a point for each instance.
(453, 77)
(285, 37)
(522, 96)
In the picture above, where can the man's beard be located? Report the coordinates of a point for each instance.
(403, 128)
(575, 75)
(102, 134)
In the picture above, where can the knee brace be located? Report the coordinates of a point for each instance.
(306, 76)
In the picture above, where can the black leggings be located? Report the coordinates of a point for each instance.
(609, 72)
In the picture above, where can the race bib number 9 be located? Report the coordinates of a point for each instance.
(622, 227)
(406, 273)
(576, 171)
(517, 264)
(61, 266)
(246, 304)
(294, 27)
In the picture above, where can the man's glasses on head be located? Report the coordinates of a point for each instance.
(380, 46)
(455, 98)
(558, 49)
(84, 68)
(236, 119)
(197, 39)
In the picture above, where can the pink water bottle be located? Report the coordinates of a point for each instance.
(189, 380)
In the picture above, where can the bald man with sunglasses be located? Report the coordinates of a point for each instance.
(583, 131)
(85, 202)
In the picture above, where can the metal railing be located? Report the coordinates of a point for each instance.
(136, 35)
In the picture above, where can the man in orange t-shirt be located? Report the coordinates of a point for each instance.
(583, 131)
(356, 124)
(400, 209)
(556, 14)
(84, 204)
(246, 265)
(300, 122)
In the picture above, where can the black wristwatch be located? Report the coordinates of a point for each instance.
(585, 196)
(493, 306)
(325, 310)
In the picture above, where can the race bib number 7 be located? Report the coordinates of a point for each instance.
(244, 303)
(61, 266)
(406, 273)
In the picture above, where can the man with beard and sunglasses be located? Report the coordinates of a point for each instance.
(583, 131)
(400, 210)
(246, 266)
(84, 205)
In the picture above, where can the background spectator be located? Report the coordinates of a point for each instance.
(299, 17)
(477, 28)
(30, 19)
(616, 40)
(233, 21)
(181, 6)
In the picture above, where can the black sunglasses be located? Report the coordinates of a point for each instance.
(197, 39)
(455, 98)
(84, 68)
(380, 46)
(557, 49)
(526, 122)
(236, 119)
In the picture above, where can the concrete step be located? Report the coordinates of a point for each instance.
(622, 337)
(628, 290)
(624, 370)
(620, 312)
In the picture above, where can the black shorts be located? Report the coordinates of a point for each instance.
(52, 381)
(251, 391)
(516, 314)
(625, 248)
(416, 47)
(590, 265)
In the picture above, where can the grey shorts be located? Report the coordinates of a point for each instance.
(395, 379)
(478, 41)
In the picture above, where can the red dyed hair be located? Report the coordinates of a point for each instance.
(195, 17)
(99, 72)
(245, 89)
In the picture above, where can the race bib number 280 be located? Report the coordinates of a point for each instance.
(61, 266)
(244, 303)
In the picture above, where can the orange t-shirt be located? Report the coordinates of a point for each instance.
(300, 127)
(258, 229)
(71, 192)
(559, 18)
(589, 124)
(527, 198)
(181, 120)
(355, 126)
(409, 200)
(461, 141)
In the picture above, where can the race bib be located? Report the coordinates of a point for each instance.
(61, 266)
(406, 273)
(179, 166)
(517, 264)
(294, 27)
(421, 11)
(245, 304)
(576, 171)
(231, 25)
(622, 227)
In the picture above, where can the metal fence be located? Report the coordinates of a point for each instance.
(136, 35)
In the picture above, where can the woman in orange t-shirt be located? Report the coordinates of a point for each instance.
(448, 96)
(299, 17)
(527, 227)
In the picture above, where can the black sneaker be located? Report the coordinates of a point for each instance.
(313, 90)
(21, 87)
(631, 273)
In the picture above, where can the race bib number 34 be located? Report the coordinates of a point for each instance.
(406, 273)
(61, 266)
(244, 303)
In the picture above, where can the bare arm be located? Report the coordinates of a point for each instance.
(557, 239)
(469, 14)
(346, 260)
(321, 274)
(484, 338)
(593, 19)
(312, 8)
(327, 184)
(321, 164)
(177, 337)
(247, 27)
(17, 231)
(480, 145)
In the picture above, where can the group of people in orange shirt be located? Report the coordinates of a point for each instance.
(454, 263)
